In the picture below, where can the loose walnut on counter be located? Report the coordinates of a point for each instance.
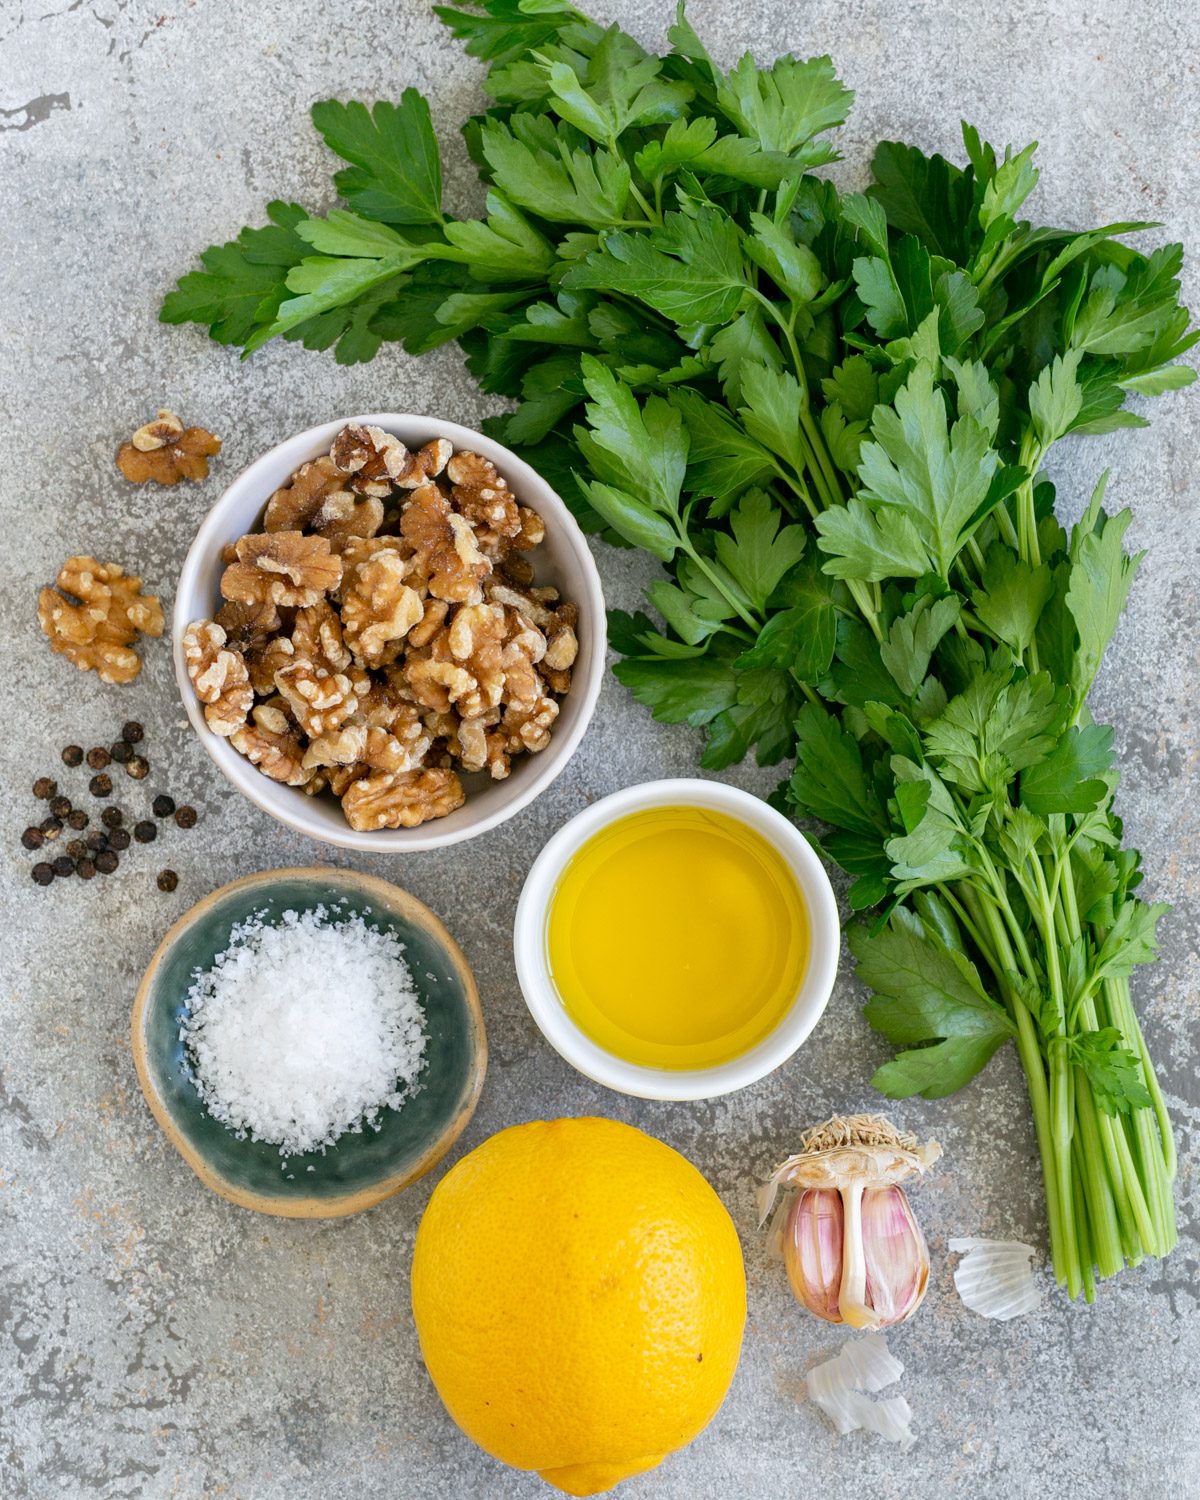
(388, 622)
(166, 451)
(96, 617)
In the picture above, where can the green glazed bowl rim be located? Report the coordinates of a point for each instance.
(391, 898)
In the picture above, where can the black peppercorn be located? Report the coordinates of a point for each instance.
(163, 806)
(60, 806)
(186, 816)
(43, 873)
(64, 866)
(119, 839)
(132, 731)
(51, 827)
(44, 788)
(167, 880)
(137, 768)
(33, 838)
(145, 832)
(98, 758)
(101, 785)
(85, 869)
(77, 849)
(77, 819)
(121, 751)
(97, 840)
(112, 817)
(107, 862)
(72, 755)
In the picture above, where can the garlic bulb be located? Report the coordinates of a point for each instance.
(853, 1250)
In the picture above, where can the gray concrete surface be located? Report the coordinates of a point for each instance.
(155, 1341)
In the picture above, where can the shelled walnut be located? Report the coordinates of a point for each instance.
(166, 451)
(94, 615)
(384, 632)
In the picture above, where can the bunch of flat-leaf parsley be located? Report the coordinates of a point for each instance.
(826, 414)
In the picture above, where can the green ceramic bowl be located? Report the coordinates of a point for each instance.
(360, 1170)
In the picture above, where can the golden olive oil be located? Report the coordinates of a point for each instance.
(677, 938)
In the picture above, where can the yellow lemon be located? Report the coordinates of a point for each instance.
(580, 1298)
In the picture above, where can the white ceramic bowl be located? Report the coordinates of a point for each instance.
(533, 969)
(563, 559)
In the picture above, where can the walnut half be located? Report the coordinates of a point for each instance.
(282, 568)
(166, 451)
(401, 799)
(219, 676)
(97, 622)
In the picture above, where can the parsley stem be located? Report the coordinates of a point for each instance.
(1083, 1238)
(715, 579)
(636, 193)
(1059, 1214)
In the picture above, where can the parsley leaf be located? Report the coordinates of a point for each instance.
(1112, 1069)
(929, 999)
(690, 270)
(829, 782)
(539, 169)
(680, 692)
(1070, 778)
(784, 107)
(395, 174)
(243, 281)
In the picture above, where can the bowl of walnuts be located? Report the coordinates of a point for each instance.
(389, 633)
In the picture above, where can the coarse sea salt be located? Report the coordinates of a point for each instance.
(304, 1028)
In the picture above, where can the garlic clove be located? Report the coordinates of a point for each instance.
(812, 1250)
(897, 1260)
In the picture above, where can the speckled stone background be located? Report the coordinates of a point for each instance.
(155, 1341)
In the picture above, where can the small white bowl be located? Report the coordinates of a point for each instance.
(547, 1009)
(563, 559)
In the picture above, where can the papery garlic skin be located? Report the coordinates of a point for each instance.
(853, 1249)
(812, 1250)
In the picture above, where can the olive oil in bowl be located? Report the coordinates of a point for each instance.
(677, 937)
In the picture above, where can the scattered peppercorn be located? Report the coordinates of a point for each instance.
(163, 806)
(121, 751)
(119, 839)
(167, 880)
(51, 827)
(72, 755)
(43, 873)
(145, 832)
(132, 731)
(186, 816)
(97, 840)
(33, 838)
(44, 788)
(98, 758)
(77, 819)
(101, 785)
(77, 849)
(85, 869)
(107, 862)
(112, 817)
(64, 866)
(137, 768)
(60, 806)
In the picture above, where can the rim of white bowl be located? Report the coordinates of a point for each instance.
(290, 805)
(571, 1043)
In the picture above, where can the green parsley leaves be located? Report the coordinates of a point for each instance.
(826, 415)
